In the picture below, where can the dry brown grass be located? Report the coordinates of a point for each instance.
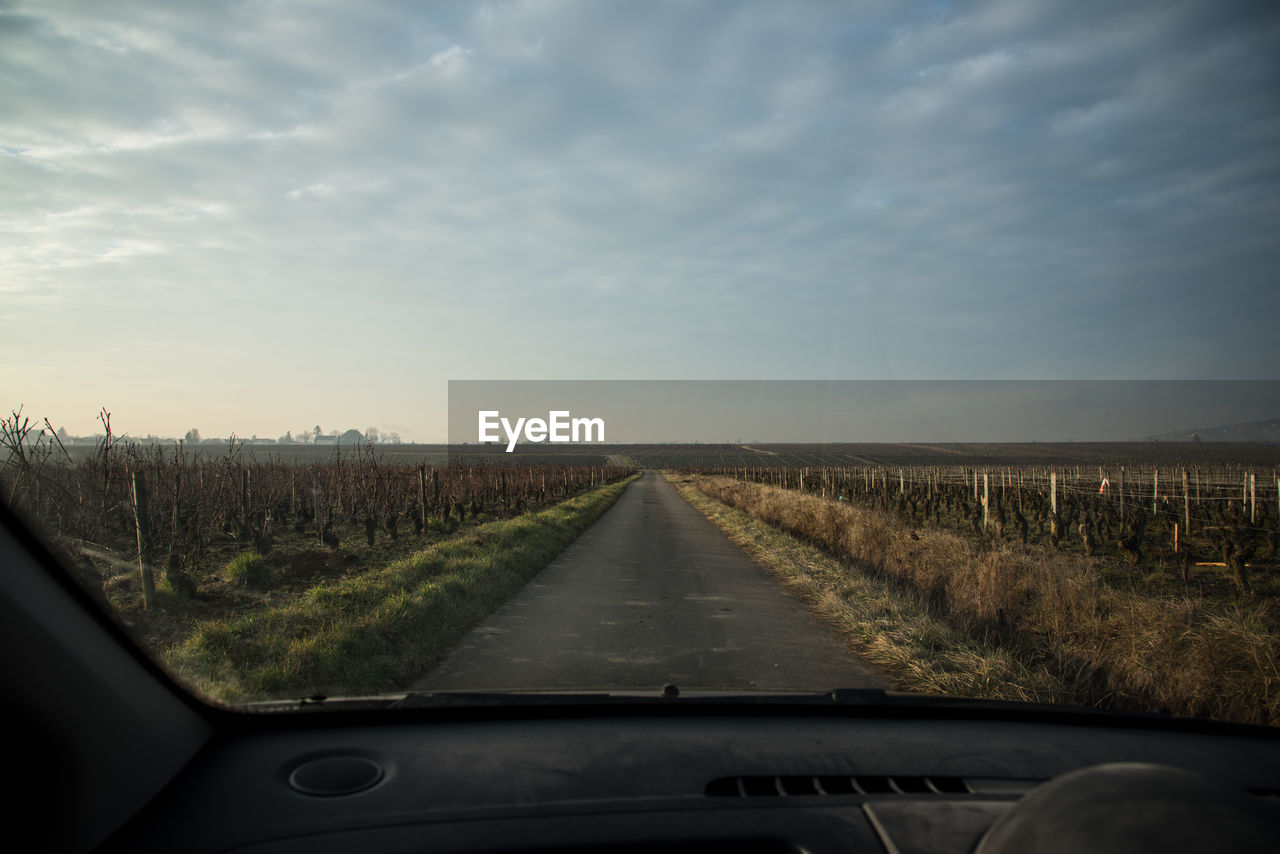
(1069, 637)
(917, 650)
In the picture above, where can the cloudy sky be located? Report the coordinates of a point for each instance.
(261, 216)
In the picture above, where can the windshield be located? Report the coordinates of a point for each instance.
(383, 348)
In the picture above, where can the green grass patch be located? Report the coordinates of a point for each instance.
(249, 570)
(379, 630)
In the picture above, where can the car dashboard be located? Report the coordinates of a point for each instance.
(109, 754)
(683, 778)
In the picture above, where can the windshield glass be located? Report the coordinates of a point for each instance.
(355, 349)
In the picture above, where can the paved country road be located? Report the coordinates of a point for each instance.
(652, 593)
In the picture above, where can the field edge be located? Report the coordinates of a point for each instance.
(379, 631)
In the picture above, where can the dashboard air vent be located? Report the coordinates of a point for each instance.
(757, 786)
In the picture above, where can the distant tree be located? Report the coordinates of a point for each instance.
(371, 434)
(391, 438)
(317, 431)
(286, 439)
(193, 436)
(63, 434)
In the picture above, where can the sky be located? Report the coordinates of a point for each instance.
(262, 216)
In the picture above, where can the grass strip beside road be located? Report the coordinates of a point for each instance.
(1040, 624)
(917, 651)
(378, 631)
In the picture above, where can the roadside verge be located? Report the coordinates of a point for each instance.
(945, 615)
(377, 631)
(884, 626)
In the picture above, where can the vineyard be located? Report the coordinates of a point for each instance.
(1121, 584)
(131, 517)
(1140, 515)
(1147, 580)
(1138, 575)
(1066, 456)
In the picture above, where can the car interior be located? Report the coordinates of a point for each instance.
(855, 297)
(114, 756)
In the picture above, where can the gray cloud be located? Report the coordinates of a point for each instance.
(616, 189)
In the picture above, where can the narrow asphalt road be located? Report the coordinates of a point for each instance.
(652, 593)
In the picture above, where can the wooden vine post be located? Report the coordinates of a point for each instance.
(1253, 500)
(315, 505)
(422, 496)
(244, 498)
(986, 496)
(1186, 505)
(144, 541)
(1121, 495)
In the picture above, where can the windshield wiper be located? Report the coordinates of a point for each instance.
(871, 702)
(667, 694)
(847, 697)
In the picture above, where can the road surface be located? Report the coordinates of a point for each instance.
(651, 593)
